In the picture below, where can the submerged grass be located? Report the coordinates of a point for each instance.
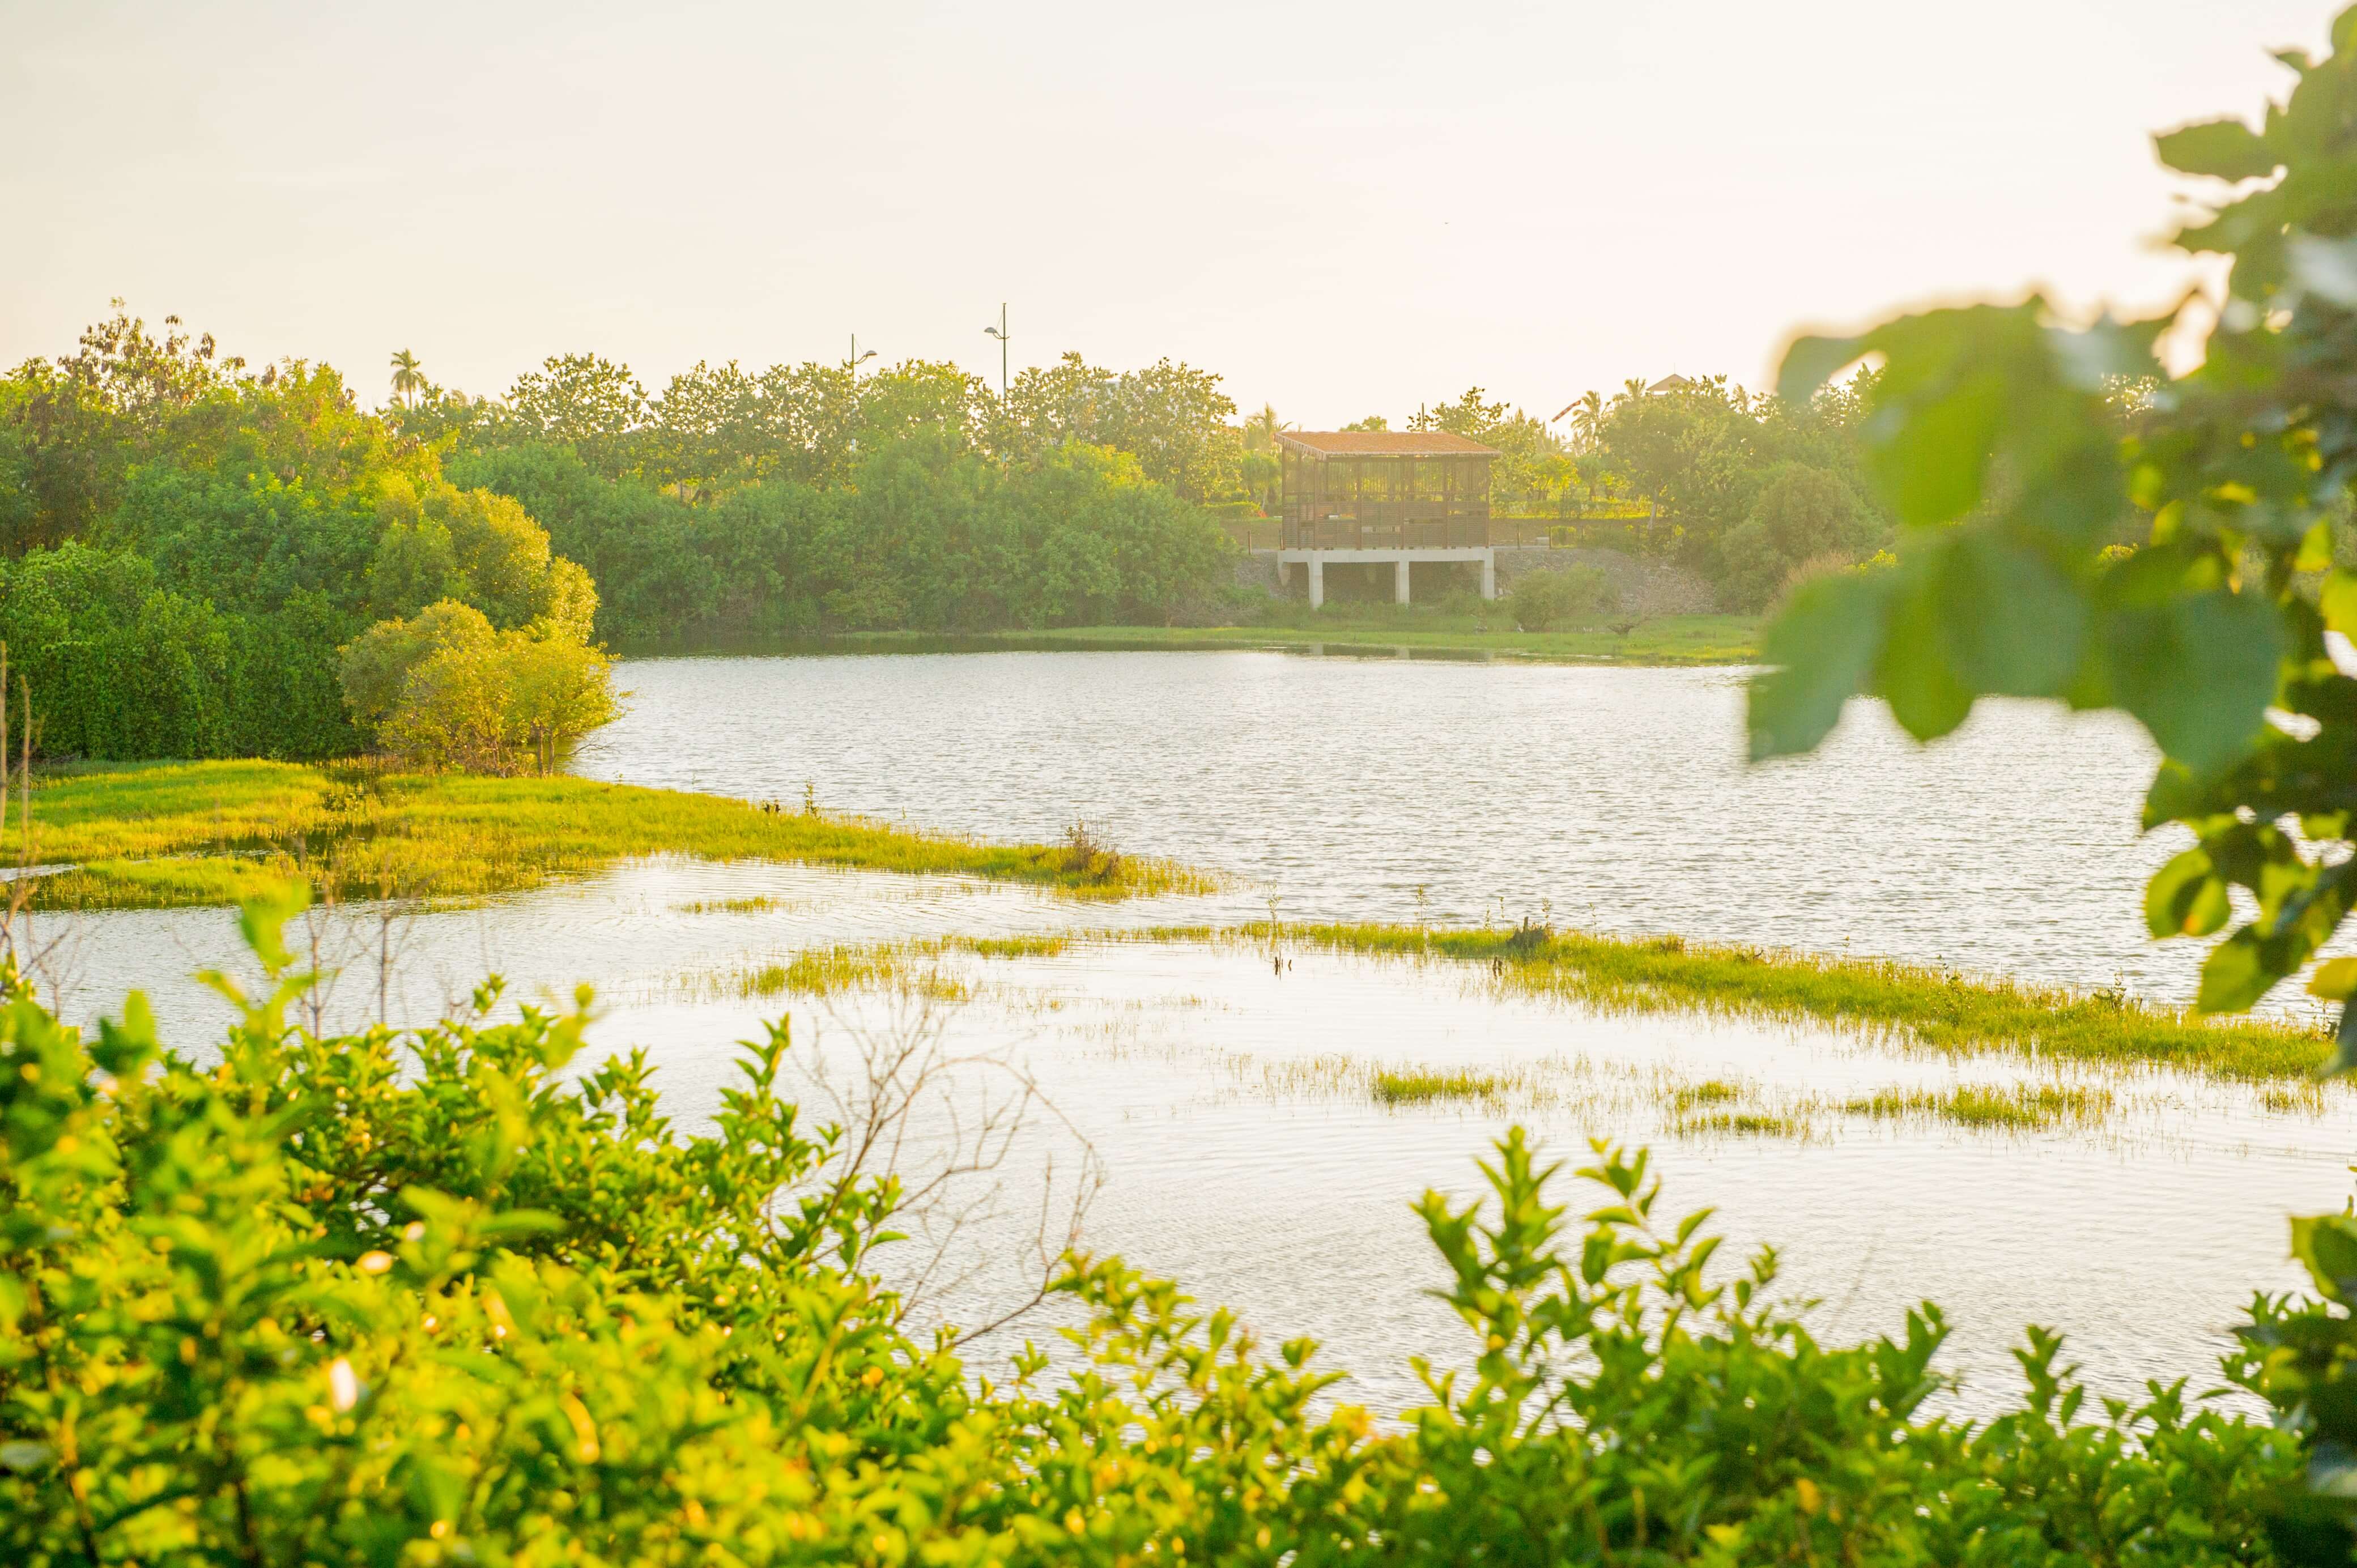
(761, 903)
(1421, 1086)
(1940, 1009)
(215, 833)
(2012, 1108)
(827, 972)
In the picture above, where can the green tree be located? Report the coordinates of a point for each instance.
(586, 403)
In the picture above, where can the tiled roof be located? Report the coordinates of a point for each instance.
(1385, 444)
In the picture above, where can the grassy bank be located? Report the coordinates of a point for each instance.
(1940, 1009)
(213, 832)
(1673, 639)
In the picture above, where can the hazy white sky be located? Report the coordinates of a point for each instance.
(1343, 209)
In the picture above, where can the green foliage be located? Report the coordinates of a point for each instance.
(1554, 600)
(122, 667)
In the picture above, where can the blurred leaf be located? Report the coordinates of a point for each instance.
(1934, 467)
(1823, 646)
(2334, 979)
(2198, 671)
(262, 920)
(2235, 975)
(2010, 622)
(1811, 362)
(1913, 674)
(2221, 149)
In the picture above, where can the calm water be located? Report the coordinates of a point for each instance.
(1359, 789)
(1227, 1105)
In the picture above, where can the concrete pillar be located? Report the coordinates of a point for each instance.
(1489, 574)
(1317, 582)
(1400, 578)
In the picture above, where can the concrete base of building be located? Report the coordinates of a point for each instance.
(1316, 560)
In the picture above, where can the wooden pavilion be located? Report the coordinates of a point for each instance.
(1384, 489)
(1385, 498)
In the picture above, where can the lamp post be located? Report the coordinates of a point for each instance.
(1004, 337)
(857, 358)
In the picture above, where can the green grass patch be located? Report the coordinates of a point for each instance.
(758, 904)
(1421, 1086)
(1739, 1124)
(827, 972)
(2010, 1108)
(215, 833)
(1944, 1010)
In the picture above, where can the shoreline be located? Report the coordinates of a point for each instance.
(1671, 642)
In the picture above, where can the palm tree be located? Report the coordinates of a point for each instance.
(408, 379)
(1260, 429)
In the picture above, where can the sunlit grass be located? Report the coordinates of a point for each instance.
(215, 833)
(1941, 1010)
(758, 904)
(2012, 1108)
(1421, 1086)
(1740, 1125)
(826, 972)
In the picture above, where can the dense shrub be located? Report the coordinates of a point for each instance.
(432, 1297)
(122, 667)
(1551, 600)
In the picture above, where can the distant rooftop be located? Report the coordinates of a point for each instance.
(1675, 383)
(1384, 444)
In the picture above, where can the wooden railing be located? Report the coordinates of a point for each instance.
(1350, 534)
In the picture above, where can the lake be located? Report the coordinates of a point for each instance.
(1358, 789)
(1226, 1100)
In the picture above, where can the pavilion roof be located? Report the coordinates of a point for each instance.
(1384, 444)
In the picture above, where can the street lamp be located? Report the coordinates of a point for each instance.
(857, 358)
(1004, 337)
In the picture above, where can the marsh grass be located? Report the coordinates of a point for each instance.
(828, 971)
(1421, 1086)
(1741, 1124)
(216, 833)
(2003, 1108)
(1942, 1010)
(761, 903)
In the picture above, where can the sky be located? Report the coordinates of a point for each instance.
(1342, 209)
